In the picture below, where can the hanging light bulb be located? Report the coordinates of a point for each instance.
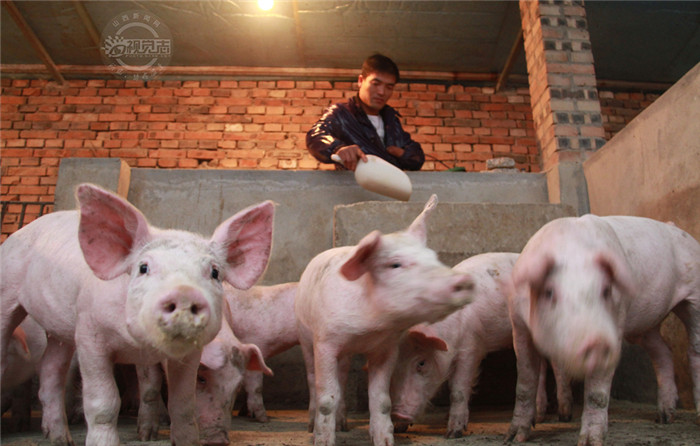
(266, 5)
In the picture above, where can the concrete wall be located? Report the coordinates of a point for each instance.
(198, 200)
(652, 169)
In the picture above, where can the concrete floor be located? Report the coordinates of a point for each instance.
(631, 424)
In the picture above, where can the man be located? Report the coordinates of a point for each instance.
(365, 124)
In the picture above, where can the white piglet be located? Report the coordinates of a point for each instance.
(453, 348)
(581, 285)
(264, 316)
(222, 368)
(359, 300)
(106, 284)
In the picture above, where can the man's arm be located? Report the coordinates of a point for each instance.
(320, 140)
(408, 152)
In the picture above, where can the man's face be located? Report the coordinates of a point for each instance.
(375, 90)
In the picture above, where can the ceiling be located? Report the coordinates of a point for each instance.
(634, 41)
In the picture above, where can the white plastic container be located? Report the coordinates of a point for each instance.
(381, 177)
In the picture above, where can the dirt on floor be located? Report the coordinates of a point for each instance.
(631, 424)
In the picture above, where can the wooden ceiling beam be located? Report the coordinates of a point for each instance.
(33, 40)
(512, 56)
(298, 31)
(87, 23)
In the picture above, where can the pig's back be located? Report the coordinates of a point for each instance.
(264, 316)
(664, 259)
(486, 319)
(41, 267)
(322, 289)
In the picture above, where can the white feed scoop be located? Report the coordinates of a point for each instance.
(381, 177)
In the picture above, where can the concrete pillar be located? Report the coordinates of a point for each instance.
(563, 93)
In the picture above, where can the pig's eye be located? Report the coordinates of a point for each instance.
(395, 265)
(201, 379)
(214, 273)
(143, 268)
(607, 292)
(420, 365)
(548, 293)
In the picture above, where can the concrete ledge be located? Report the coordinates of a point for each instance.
(455, 230)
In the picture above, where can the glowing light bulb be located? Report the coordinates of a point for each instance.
(266, 5)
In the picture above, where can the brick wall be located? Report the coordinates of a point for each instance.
(619, 108)
(234, 125)
(240, 125)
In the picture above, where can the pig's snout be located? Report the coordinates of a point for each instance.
(596, 354)
(184, 312)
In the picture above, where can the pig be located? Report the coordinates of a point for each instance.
(580, 286)
(453, 348)
(359, 300)
(220, 375)
(25, 348)
(264, 316)
(106, 284)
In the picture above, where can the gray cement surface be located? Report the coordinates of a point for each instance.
(631, 424)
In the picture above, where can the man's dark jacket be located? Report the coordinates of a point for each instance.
(347, 123)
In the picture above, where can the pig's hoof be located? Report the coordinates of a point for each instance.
(455, 433)
(585, 440)
(665, 416)
(517, 434)
(263, 418)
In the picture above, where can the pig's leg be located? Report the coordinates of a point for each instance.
(461, 384)
(11, 316)
(528, 364)
(542, 392)
(182, 386)
(689, 313)
(565, 398)
(594, 421)
(341, 421)
(53, 369)
(308, 353)
(380, 367)
(662, 359)
(327, 393)
(253, 383)
(101, 400)
(150, 380)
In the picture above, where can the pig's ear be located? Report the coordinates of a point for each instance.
(20, 336)
(419, 227)
(425, 336)
(359, 263)
(247, 240)
(110, 229)
(213, 355)
(255, 359)
(618, 271)
(533, 271)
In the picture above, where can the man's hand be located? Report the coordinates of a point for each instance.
(350, 156)
(395, 151)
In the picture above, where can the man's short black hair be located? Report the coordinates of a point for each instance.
(378, 63)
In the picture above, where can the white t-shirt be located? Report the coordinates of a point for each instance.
(378, 124)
